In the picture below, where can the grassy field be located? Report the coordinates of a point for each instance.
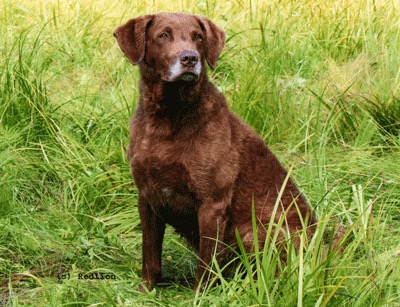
(319, 80)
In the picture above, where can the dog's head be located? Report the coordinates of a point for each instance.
(175, 45)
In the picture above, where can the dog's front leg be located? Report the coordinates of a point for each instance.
(212, 224)
(153, 229)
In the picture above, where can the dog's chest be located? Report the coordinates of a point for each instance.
(162, 177)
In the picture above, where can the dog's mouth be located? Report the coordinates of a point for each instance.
(179, 72)
(188, 77)
(184, 77)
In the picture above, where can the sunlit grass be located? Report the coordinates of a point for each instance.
(318, 80)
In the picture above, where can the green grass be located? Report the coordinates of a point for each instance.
(319, 80)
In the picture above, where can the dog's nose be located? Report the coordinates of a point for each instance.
(189, 58)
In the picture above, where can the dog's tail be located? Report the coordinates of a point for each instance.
(336, 242)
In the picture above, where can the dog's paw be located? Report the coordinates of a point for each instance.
(145, 287)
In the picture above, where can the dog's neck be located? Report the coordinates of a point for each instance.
(172, 99)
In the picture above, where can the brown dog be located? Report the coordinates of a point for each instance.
(196, 165)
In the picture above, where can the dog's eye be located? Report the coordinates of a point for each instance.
(198, 37)
(163, 35)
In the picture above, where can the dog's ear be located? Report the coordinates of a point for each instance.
(215, 40)
(131, 37)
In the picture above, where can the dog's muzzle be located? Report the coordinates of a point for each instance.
(186, 68)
